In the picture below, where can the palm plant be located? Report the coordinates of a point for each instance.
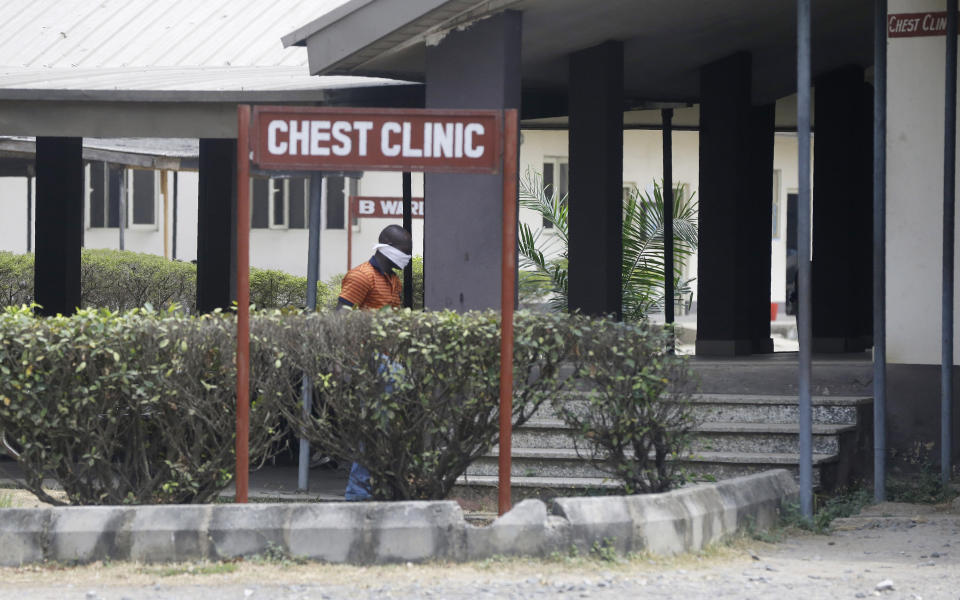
(545, 256)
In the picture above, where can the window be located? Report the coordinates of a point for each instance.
(335, 202)
(556, 181)
(298, 190)
(106, 184)
(259, 203)
(143, 191)
(279, 203)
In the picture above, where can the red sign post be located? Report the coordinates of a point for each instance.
(342, 139)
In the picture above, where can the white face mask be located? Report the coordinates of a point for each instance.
(397, 257)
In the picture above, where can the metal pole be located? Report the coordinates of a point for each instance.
(880, 251)
(350, 213)
(173, 242)
(508, 269)
(123, 205)
(165, 192)
(949, 199)
(313, 275)
(243, 303)
(803, 257)
(666, 116)
(29, 213)
(408, 225)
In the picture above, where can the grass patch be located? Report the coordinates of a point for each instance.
(844, 503)
(6, 500)
(200, 569)
(923, 487)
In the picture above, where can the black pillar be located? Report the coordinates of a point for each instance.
(736, 165)
(216, 225)
(463, 221)
(59, 224)
(842, 215)
(759, 183)
(596, 180)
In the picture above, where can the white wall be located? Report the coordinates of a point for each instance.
(287, 249)
(13, 208)
(643, 163)
(915, 109)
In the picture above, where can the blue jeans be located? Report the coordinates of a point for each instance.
(358, 483)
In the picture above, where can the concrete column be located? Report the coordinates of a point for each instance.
(842, 213)
(736, 164)
(596, 180)
(478, 67)
(59, 224)
(216, 225)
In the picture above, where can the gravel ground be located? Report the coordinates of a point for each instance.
(893, 551)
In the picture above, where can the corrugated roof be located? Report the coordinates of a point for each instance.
(209, 45)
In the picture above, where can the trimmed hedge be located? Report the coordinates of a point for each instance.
(121, 280)
(414, 396)
(138, 407)
(125, 408)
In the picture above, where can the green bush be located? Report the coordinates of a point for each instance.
(121, 280)
(637, 418)
(414, 396)
(139, 407)
(127, 408)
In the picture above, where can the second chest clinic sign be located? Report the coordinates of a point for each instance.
(376, 139)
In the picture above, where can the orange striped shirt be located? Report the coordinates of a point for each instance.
(366, 286)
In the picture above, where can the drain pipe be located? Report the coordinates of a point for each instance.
(880, 251)
(666, 116)
(949, 200)
(313, 274)
(803, 258)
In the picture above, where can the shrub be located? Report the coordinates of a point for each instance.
(414, 396)
(139, 407)
(636, 420)
(121, 280)
(124, 280)
(16, 278)
(126, 408)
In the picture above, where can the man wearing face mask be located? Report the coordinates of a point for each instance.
(374, 284)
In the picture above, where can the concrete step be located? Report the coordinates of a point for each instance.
(831, 375)
(749, 408)
(775, 438)
(741, 408)
(555, 483)
(711, 436)
(565, 463)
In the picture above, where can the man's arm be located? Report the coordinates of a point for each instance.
(353, 290)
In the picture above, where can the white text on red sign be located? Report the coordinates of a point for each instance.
(343, 138)
(917, 24)
(385, 207)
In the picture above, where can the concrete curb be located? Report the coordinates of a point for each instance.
(385, 532)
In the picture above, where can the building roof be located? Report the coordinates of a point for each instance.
(157, 45)
(665, 41)
(153, 153)
(155, 68)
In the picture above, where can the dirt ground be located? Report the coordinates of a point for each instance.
(891, 550)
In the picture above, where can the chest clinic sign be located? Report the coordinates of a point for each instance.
(377, 139)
